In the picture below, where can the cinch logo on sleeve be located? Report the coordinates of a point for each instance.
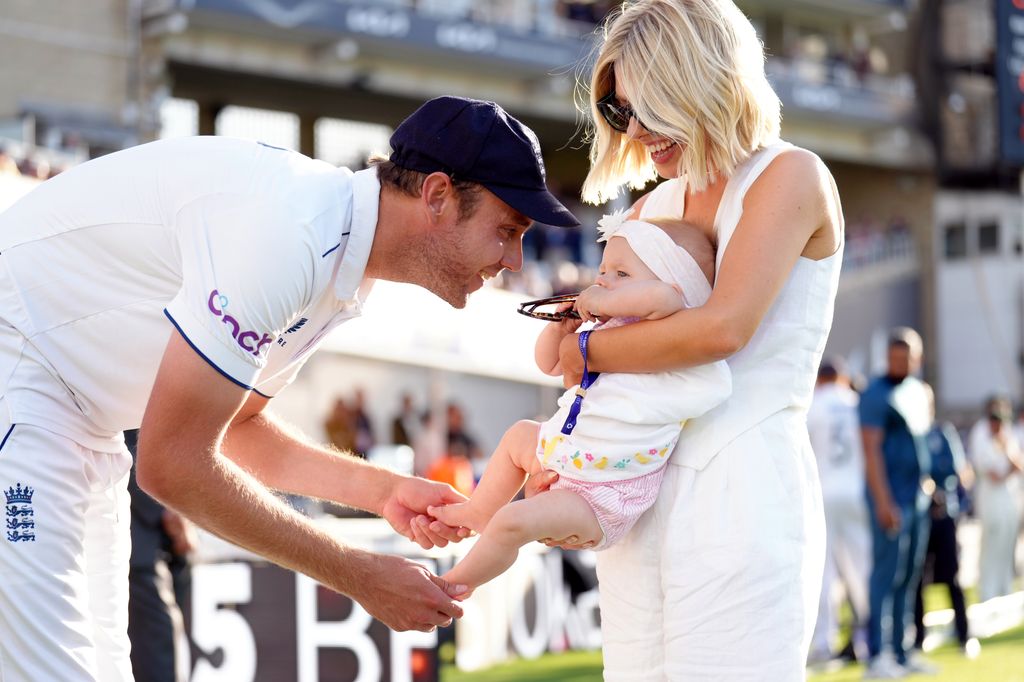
(246, 339)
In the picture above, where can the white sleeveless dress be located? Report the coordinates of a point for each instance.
(720, 579)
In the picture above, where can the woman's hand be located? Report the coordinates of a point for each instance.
(540, 483)
(570, 360)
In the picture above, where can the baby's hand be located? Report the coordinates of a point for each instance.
(588, 303)
(568, 324)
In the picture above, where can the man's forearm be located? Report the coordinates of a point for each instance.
(282, 459)
(217, 495)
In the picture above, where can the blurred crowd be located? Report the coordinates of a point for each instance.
(27, 165)
(443, 445)
(896, 485)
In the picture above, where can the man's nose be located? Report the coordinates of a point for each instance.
(512, 259)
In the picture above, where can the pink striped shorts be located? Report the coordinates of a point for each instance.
(616, 504)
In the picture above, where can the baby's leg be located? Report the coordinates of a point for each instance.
(554, 514)
(515, 457)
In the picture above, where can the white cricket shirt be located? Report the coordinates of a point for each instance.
(252, 252)
(833, 426)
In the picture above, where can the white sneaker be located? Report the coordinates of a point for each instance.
(916, 664)
(972, 648)
(884, 667)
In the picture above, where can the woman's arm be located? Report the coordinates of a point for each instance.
(647, 299)
(793, 200)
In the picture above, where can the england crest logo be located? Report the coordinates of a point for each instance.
(20, 522)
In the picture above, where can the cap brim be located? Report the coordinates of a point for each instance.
(535, 204)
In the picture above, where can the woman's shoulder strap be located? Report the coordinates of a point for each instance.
(746, 174)
(667, 200)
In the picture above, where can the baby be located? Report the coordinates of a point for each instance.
(609, 440)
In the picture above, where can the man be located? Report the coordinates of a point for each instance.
(180, 285)
(159, 585)
(404, 425)
(949, 499)
(895, 416)
(834, 430)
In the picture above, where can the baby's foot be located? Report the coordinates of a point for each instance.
(462, 514)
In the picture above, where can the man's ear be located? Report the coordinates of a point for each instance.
(437, 193)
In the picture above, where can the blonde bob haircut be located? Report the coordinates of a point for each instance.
(693, 71)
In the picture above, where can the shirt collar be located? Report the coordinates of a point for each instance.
(362, 227)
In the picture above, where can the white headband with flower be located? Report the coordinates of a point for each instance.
(610, 224)
(670, 262)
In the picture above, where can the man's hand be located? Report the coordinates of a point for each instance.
(181, 532)
(406, 511)
(888, 516)
(406, 596)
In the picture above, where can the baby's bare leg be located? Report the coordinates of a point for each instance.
(515, 457)
(554, 514)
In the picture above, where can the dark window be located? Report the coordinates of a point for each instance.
(956, 240)
(988, 237)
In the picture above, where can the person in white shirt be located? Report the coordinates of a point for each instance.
(180, 285)
(834, 428)
(997, 459)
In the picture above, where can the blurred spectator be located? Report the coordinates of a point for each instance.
(995, 455)
(585, 11)
(35, 168)
(895, 416)
(870, 241)
(364, 438)
(405, 424)
(8, 166)
(341, 427)
(460, 442)
(948, 503)
(159, 584)
(455, 470)
(429, 444)
(834, 430)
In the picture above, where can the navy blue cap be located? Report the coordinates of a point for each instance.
(474, 140)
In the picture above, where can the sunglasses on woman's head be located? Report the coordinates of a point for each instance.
(615, 114)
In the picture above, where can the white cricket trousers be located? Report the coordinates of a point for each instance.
(63, 559)
(720, 579)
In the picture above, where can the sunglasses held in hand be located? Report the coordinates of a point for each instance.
(530, 308)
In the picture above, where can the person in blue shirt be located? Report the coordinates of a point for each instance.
(895, 416)
(949, 501)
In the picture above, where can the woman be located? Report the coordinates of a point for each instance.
(720, 579)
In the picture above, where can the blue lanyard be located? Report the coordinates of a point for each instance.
(581, 390)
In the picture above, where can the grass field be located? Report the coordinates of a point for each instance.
(1001, 660)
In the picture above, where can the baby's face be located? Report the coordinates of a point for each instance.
(621, 265)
